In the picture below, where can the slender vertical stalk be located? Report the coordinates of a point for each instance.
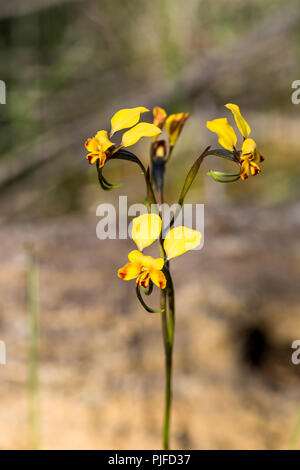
(33, 348)
(168, 371)
(168, 325)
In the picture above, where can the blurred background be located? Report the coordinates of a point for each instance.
(68, 66)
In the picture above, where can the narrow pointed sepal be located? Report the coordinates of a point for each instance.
(105, 185)
(142, 302)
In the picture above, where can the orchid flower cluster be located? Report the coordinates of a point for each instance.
(147, 228)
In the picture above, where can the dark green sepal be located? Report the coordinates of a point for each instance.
(141, 300)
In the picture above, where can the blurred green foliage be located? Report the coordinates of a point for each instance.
(67, 62)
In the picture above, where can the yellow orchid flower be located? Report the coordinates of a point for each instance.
(98, 147)
(145, 230)
(143, 268)
(249, 156)
(125, 118)
(174, 124)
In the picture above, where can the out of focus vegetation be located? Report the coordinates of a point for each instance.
(68, 65)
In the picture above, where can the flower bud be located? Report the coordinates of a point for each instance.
(174, 125)
(159, 117)
(159, 149)
(222, 177)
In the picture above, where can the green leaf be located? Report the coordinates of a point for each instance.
(192, 175)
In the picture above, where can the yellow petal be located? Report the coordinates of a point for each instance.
(143, 129)
(245, 170)
(129, 271)
(248, 147)
(174, 125)
(226, 134)
(92, 145)
(242, 124)
(159, 148)
(143, 279)
(258, 157)
(159, 117)
(92, 157)
(145, 230)
(254, 169)
(136, 256)
(126, 118)
(181, 239)
(148, 262)
(153, 263)
(250, 152)
(158, 278)
(103, 140)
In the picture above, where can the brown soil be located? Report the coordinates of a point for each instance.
(101, 361)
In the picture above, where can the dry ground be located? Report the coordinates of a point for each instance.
(101, 368)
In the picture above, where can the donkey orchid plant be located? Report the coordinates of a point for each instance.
(147, 228)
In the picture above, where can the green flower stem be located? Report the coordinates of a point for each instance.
(168, 370)
(168, 326)
(171, 305)
(167, 295)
